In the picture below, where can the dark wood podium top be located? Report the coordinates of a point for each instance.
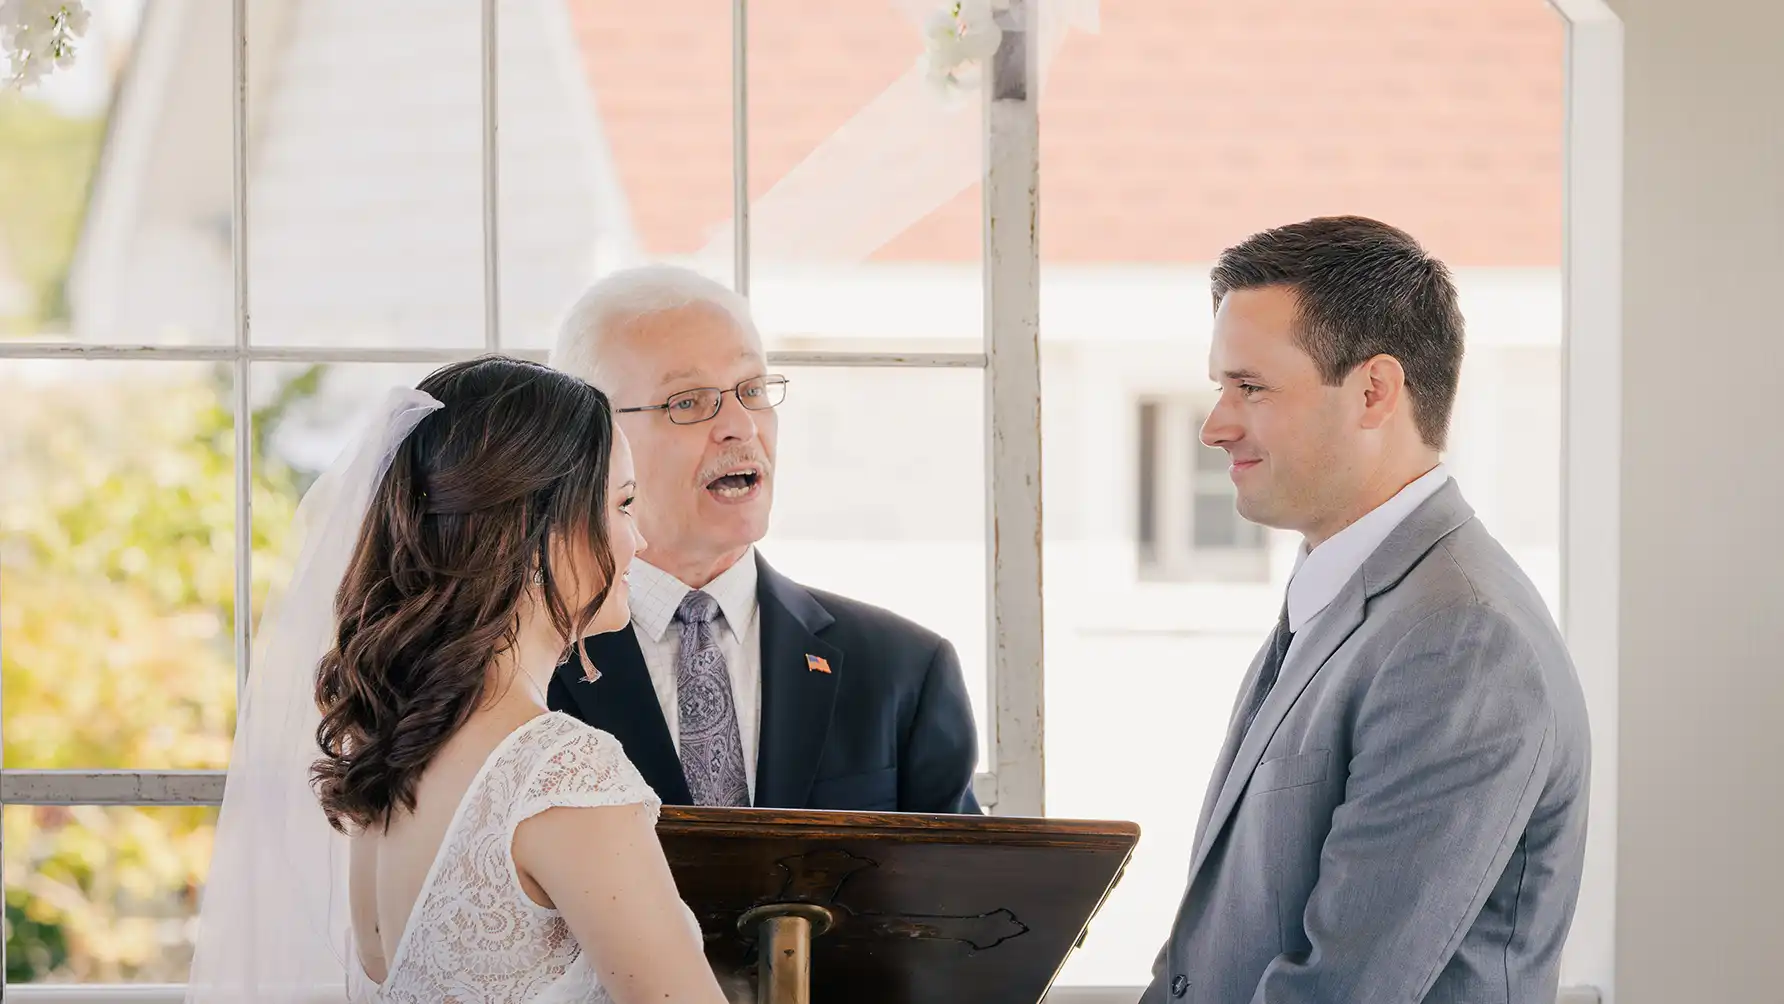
(932, 909)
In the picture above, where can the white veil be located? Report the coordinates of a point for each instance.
(273, 924)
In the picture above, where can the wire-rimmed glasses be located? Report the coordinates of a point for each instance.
(701, 404)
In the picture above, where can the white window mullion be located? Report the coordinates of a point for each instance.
(179, 787)
(1013, 419)
(314, 354)
(492, 277)
(889, 360)
(319, 354)
(111, 787)
(740, 148)
(243, 402)
(1592, 440)
(244, 523)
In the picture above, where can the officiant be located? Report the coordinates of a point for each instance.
(735, 685)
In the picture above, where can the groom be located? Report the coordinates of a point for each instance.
(735, 685)
(1399, 810)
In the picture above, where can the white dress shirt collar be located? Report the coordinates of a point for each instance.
(656, 595)
(1321, 574)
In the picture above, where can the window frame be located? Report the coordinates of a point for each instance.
(1591, 391)
(1010, 359)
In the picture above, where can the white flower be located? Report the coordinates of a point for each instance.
(38, 36)
(957, 40)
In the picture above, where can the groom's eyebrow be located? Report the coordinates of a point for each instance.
(1242, 375)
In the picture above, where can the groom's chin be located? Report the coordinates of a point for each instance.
(1251, 509)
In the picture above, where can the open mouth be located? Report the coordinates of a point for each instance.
(737, 483)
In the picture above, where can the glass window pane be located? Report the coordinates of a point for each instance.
(615, 147)
(365, 176)
(1168, 136)
(115, 185)
(866, 231)
(880, 482)
(320, 409)
(660, 77)
(117, 563)
(866, 504)
(1506, 443)
(103, 894)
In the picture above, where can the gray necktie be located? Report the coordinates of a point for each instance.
(711, 746)
(1270, 670)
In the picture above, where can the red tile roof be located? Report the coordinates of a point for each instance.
(1180, 127)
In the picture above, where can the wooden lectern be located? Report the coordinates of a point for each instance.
(890, 908)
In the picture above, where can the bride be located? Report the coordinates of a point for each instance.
(403, 819)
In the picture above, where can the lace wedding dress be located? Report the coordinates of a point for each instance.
(474, 934)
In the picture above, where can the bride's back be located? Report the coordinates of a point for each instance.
(471, 924)
(485, 546)
(495, 850)
(389, 867)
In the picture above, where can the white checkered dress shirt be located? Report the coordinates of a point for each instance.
(655, 596)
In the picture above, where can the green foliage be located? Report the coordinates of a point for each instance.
(117, 600)
(46, 167)
(32, 946)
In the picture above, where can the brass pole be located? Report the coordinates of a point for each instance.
(784, 932)
(784, 973)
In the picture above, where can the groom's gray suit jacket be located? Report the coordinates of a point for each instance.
(1406, 817)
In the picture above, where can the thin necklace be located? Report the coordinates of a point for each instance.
(533, 685)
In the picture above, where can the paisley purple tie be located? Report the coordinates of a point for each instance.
(711, 746)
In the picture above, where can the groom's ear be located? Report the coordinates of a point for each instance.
(1382, 382)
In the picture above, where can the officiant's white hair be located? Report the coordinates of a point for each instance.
(620, 300)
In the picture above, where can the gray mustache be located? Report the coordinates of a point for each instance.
(723, 464)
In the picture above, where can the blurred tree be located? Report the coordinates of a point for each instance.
(117, 596)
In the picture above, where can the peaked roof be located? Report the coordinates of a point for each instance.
(1179, 128)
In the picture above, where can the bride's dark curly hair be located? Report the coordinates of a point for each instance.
(477, 498)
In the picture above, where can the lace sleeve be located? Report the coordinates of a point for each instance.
(581, 767)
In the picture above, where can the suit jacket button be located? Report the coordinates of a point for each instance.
(1179, 985)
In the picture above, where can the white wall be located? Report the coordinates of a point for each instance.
(1700, 832)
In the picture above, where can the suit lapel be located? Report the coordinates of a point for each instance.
(1325, 634)
(624, 703)
(797, 701)
(1229, 749)
(1436, 518)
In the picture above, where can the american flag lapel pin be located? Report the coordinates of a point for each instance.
(816, 663)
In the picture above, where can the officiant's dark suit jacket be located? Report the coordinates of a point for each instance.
(887, 728)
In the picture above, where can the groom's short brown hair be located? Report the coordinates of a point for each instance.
(1364, 289)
